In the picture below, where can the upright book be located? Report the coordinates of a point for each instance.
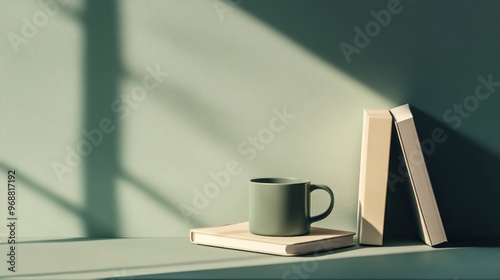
(238, 237)
(432, 230)
(374, 170)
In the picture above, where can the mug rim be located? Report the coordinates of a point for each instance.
(279, 181)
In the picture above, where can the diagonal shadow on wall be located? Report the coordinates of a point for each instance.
(466, 184)
(103, 71)
(160, 199)
(464, 180)
(430, 49)
(429, 55)
(45, 192)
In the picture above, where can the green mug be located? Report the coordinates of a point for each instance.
(282, 206)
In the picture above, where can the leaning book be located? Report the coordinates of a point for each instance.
(238, 237)
(432, 230)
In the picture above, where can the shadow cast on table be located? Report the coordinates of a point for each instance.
(331, 252)
(121, 272)
(442, 264)
(62, 240)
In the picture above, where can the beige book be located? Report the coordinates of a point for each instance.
(374, 168)
(238, 237)
(432, 230)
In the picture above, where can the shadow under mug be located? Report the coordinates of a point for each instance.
(282, 206)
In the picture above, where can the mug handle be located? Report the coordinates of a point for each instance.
(330, 207)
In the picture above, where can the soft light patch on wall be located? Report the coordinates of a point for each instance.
(225, 79)
(41, 112)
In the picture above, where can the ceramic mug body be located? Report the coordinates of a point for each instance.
(281, 206)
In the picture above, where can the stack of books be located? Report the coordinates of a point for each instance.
(374, 171)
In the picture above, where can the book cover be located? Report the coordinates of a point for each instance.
(374, 168)
(432, 230)
(238, 237)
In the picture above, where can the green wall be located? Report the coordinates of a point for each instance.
(128, 118)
